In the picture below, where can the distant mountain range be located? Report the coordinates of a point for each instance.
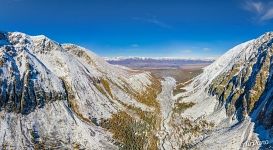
(157, 62)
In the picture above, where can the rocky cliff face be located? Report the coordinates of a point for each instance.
(248, 81)
(246, 88)
(25, 83)
(63, 96)
(234, 96)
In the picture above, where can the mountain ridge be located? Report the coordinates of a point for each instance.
(155, 58)
(160, 62)
(41, 78)
(236, 91)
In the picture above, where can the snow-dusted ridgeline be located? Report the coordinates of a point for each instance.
(234, 95)
(55, 95)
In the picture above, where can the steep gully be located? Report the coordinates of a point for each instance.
(166, 101)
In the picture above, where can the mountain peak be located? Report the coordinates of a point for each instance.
(237, 90)
(40, 37)
(69, 90)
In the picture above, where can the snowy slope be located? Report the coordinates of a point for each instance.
(233, 94)
(55, 95)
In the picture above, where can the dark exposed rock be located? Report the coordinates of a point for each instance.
(23, 92)
(246, 89)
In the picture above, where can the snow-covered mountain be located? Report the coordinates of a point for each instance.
(56, 95)
(156, 58)
(157, 62)
(230, 103)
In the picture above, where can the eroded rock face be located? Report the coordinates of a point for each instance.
(35, 109)
(248, 82)
(244, 88)
(55, 96)
(235, 93)
(25, 82)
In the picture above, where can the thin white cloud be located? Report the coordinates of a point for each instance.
(256, 7)
(263, 11)
(153, 20)
(268, 15)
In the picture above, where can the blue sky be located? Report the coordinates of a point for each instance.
(153, 28)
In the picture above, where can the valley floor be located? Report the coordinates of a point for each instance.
(166, 101)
